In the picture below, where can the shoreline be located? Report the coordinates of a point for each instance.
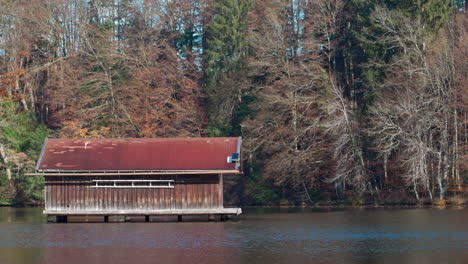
(399, 206)
(21, 205)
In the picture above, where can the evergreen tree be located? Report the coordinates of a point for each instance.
(225, 40)
(225, 53)
(21, 139)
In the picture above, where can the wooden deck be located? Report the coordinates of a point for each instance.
(62, 216)
(218, 211)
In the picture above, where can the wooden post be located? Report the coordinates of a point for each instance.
(106, 219)
(179, 218)
(147, 218)
(51, 219)
(61, 219)
(221, 192)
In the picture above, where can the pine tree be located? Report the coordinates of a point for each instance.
(225, 40)
(21, 139)
(225, 52)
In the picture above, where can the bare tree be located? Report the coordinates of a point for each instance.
(414, 114)
(348, 155)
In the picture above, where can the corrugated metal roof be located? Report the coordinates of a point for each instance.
(137, 154)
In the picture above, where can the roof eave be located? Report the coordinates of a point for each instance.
(42, 153)
(113, 173)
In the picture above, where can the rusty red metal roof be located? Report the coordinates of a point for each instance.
(138, 154)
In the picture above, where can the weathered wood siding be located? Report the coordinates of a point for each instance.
(77, 194)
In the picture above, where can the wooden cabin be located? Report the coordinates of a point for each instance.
(137, 177)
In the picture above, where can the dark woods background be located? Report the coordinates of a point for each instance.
(338, 102)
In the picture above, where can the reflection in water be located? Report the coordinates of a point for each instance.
(258, 236)
(141, 242)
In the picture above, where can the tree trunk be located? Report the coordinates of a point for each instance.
(17, 89)
(5, 162)
(307, 192)
(415, 190)
(455, 151)
(439, 177)
(385, 161)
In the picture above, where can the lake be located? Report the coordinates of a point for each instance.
(258, 236)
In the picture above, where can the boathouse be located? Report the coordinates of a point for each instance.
(137, 177)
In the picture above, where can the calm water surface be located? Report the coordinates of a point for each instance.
(259, 236)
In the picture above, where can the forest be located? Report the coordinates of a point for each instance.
(339, 102)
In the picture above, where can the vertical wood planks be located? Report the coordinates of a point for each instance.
(220, 191)
(78, 194)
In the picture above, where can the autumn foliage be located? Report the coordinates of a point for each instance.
(346, 101)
